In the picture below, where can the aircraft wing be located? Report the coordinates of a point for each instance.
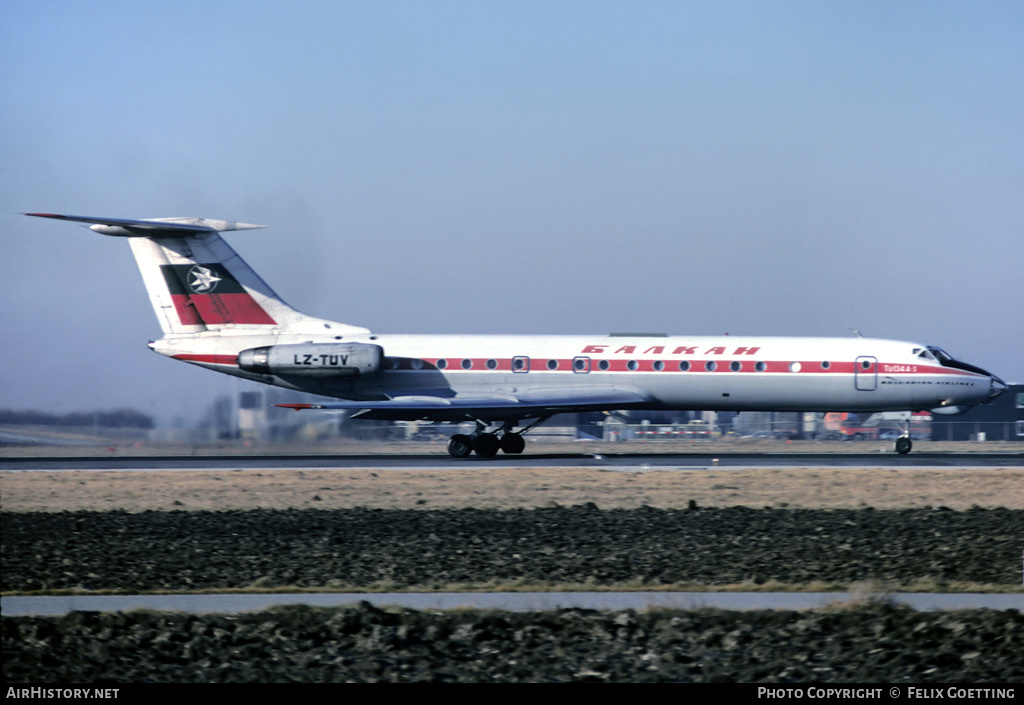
(489, 407)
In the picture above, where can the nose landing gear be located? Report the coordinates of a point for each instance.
(903, 443)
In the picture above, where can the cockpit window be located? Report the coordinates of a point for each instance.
(947, 360)
(923, 353)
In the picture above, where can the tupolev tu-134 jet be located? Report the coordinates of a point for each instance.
(216, 312)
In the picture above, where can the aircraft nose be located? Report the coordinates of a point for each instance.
(996, 387)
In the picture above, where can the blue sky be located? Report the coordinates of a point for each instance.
(782, 168)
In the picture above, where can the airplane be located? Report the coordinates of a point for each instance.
(217, 313)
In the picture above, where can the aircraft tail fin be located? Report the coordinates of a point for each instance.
(197, 282)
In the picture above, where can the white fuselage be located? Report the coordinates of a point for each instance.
(678, 372)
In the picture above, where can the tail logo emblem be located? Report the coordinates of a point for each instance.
(202, 280)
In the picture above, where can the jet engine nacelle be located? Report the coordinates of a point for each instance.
(313, 359)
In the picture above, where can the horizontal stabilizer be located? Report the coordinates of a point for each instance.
(152, 227)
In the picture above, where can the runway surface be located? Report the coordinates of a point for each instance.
(518, 601)
(625, 461)
(508, 601)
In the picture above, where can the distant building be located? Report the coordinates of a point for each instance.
(1002, 419)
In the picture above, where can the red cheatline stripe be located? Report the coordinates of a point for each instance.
(696, 366)
(209, 359)
(540, 364)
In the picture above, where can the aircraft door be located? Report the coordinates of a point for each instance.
(865, 373)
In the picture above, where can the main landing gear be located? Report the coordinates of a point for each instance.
(487, 444)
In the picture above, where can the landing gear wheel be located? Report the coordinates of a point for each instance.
(486, 445)
(512, 443)
(903, 445)
(460, 446)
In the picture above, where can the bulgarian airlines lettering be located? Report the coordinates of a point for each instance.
(601, 349)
